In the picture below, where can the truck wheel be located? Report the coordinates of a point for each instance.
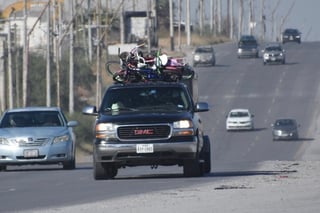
(69, 164)
(206, 154)
(192, 168)
(104, 171)
(3, 168)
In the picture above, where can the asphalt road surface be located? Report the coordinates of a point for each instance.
(270, 92)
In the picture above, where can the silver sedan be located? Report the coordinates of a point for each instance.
(36, 135)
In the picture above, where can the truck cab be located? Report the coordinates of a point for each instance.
(154, 123)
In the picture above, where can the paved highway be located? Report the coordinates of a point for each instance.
(270, 92)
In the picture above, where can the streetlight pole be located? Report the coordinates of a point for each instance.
(25, 57)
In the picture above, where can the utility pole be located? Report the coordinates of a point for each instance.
(90, 31)
(2, 76)
(71, 61)
(211, 15)
(48, 71)
(25, 57)
(171, 25)
(121, 23)
(10, 89)
(57, 47)
(228, 18)
(272, 19)
(149, 24)
(179, 25)
(240, 19)
(98, 39)
(251, 20)
(188, 23)
(231, 20)
(215, 17)
(219, 7)
(201, 16)
(262, 21)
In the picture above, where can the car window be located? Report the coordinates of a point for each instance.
(126, 100)
(274, 48)
(204, 50)
(285, 123)
(239, 114)
(31, 119)
(291, 31)
(247, 43)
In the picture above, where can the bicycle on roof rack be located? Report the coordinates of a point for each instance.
(134, 67)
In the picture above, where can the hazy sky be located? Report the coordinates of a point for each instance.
(305, 15)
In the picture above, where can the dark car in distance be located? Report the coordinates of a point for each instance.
(285, 129)
(248, 47)
(291, 35)
(204, 55)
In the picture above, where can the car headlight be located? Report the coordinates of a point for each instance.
(265, 55)
(196, 57)
(62, 138)
(297, 36)
(278, 132)
(183, 128)
(182, 124)
(105, 130)
(239, 50)
(5, 141)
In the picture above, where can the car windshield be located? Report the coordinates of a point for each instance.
(31, 119)
(248, 43)
(274, 48)
(239, 114)
(291, 31)
(126, 100)
(204, 50)
(285, 123)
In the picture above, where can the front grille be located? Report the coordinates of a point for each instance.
(274, 54)
(33, 142)
(40, 157)
(152, 132)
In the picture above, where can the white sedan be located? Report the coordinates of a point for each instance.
(239, 119)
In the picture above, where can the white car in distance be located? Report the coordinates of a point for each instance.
(239, 119)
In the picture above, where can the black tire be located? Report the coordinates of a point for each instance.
(187, 72)
(113, 67)
(104, 171)
(69, 165)
(120, 77)
(206, 154)
(192, 168)
(3, 168)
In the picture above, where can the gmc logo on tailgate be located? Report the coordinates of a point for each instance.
(143, 132)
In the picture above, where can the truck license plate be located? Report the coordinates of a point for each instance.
(144, 148)
(30, 153)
